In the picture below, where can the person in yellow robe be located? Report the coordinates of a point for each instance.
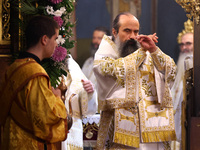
(134, 78)
(32, 113)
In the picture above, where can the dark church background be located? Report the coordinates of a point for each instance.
(165, 17)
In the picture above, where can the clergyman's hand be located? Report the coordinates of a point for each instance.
(88, 86)
(147, 43)
(56, 92)
(154, 37)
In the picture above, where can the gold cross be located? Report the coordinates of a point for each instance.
(156, 114)
(123, 117)
(148, 72)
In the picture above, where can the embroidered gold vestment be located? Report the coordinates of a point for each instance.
(36, 116)
(135, 97)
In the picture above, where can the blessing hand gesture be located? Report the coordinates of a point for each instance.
(148, 42)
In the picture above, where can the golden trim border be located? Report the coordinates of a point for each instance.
(5, 55)
(4, 3)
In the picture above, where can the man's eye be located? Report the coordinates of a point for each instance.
(188, 43)
(181, 44)
(136, 32)
(127, 30)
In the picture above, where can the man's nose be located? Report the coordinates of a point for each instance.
(132, 36)
(184, 46)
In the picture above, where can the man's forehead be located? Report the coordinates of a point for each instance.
(187, 37)
(98, 32)
(128, 20)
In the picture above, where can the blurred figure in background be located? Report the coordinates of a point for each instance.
(88, 64)
(185, 41)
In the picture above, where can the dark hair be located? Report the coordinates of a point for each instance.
(37, 27)
(116, 23)
(103, 29)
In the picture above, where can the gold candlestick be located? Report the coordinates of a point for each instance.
(63, 89)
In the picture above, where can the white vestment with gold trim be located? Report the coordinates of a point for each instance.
(83, 104)
(135, 98)
(88, 70)
(185, 61)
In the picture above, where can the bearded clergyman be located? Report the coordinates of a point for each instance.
(185, 40)
(134, 79)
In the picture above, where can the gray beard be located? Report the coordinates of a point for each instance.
(181, 62)
(127, 47)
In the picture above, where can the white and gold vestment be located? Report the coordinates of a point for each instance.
(134, 95)
(88, 70)
(83, 104)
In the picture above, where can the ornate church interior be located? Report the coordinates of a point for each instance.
(170, 19)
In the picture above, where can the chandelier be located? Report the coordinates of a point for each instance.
(192, 7)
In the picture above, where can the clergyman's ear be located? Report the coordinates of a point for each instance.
(44, 39)
(114, 32)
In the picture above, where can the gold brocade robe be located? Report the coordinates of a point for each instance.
(36, 116)
(135, 97)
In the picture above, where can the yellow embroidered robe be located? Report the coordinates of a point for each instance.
(36, 116)
(135, 97)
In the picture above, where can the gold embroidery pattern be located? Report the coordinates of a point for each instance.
(159, 59)
(109, 142)
(147, 77)
(126, 140)
(147, 89)
(115, 103)
(132, 62)
(113, 68)
(169, 77)
(148, 73)
(140, 56)
(167, 145)
(76, 114)
(123, 117)
(167, 100)
(105, 123)
(107, 39)
(84, 102)
(158, 136)
(157, 133)
(169, 113)
(170, 71)
(122, 135)
(165, 63)
(81, 95)
(156, 114)
(149, 98)
(149, 103)
(74, 147)
(20, 139)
